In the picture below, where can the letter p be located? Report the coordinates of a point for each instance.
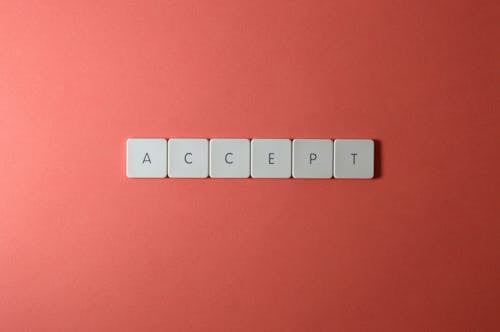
(312, 156)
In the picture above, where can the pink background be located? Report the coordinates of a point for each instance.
(83, 248)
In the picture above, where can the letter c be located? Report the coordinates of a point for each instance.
(227, 155)
(186, 158)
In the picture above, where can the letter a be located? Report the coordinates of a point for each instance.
(146, 159)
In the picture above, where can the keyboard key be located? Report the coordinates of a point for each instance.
(229, 158)
(271, 158)
(146, 157)
(188, 158)
(353, 158)
(312, 158)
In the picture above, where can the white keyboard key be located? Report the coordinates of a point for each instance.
(312, 158)
(229, 158)
(188, 158)
(271, 158)
(146, 157)
(353, 158)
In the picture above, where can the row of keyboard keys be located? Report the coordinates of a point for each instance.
(258, 158)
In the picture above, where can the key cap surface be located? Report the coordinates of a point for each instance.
(188, 158)
(353, 158)
(146, 157)
(312, 158)
(271, 158)
(229, 158)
